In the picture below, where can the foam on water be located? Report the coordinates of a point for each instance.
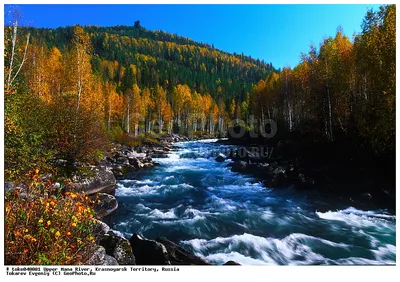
(124, 191)
(202, 141)
(147, 190)
(359, 218)
(360, 261)
(221, 258)
(157, 214)
(186, 221)
(133, 181)
(386, 253)
(293, 249)
(184, 167)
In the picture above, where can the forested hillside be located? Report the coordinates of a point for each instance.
(160, 58)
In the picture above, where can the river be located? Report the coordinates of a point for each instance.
(220, 215)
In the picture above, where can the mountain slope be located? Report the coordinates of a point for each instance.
(165, 59)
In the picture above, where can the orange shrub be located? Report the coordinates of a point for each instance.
(46, 227)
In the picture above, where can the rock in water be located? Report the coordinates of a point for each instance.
(106, 205)
(239, 166)
(123, 253)
(231, 262)
(179, 256)
(148, 252)
(118, 247)
(136, 163)
(101, 228)
(220, 159)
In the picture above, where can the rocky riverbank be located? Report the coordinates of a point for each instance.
(329, 168)
(112, 248)
(99, 183)
(100, 180)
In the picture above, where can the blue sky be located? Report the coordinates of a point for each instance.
(275, 33)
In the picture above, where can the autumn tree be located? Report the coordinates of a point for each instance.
(80, 67)
(180, 104)
(14, 56)
(375, 51)
(113, 104)
(20, 151)
(206, 109)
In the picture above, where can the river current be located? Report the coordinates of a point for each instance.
(221, 215)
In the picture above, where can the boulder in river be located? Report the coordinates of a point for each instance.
(180, 256)
(118, 247)
(117, 171)
(220, 159)
(148, 252)
(101, 228)
(231, 262)
(105, 204)
(136, 163)
(239, 166)
(303, 182)
(160, 156)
